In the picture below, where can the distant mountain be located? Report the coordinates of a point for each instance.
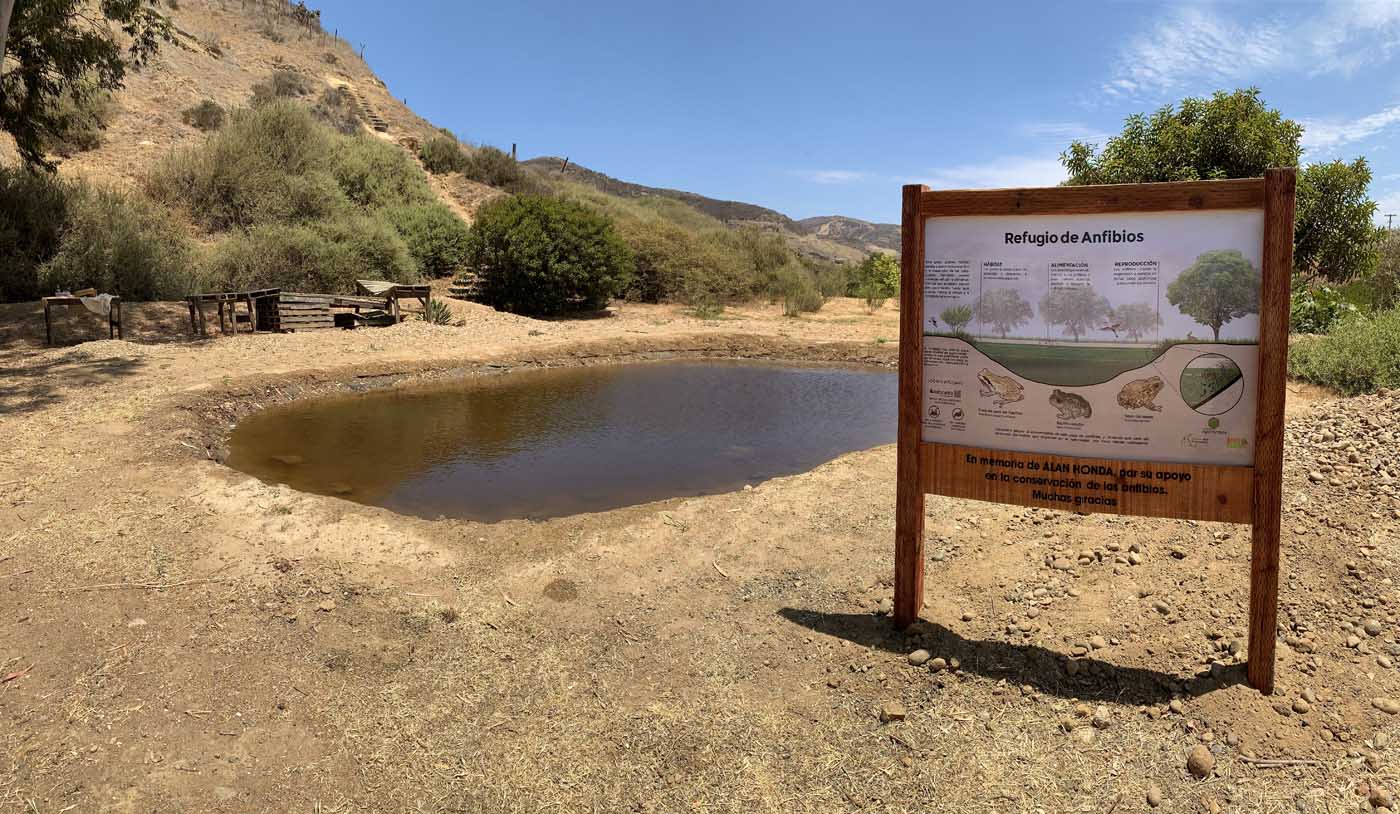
(811, 235)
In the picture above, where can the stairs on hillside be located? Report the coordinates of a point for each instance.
(466, 286)
(367, 113)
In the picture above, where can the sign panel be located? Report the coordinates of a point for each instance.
(1131, 335)
(1117, 348)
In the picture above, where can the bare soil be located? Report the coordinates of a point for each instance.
(177, 636)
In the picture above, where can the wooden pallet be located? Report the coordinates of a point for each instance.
(301, 312)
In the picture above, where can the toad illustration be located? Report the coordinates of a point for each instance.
(1140, 393)
(1002, 389)
(1070, 405)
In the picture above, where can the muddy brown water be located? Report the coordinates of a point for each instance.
(548, 443)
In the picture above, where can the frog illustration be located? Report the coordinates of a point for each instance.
(1070, 405)
(1140, 393)
(1003, 389)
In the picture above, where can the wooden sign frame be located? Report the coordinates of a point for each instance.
(1241, 494)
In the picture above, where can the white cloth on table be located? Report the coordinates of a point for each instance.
(100, 304)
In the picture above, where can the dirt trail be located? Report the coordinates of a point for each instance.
(188, 638)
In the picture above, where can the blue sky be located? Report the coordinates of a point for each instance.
(820, 108)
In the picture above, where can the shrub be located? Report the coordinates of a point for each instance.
(267, 165)
(830, 277)
(120, 244)
(206, 116)
(1318, 310)
(270, 33)
(673, 264)
(1382, 286)
(324, 257)
(436, 238)
(33, 210)
(768, 254)
(545, 256)
(80, 118)
(337, 110)
(441, 154)
(375, 174)
(1360, 355)
(798, 289)
(437, 312)
(213, 44)
(283, 84)
(493, 167)
(877, 275)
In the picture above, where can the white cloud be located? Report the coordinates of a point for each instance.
(1324, 135)
(832, 176)
(1001, 173)
(1198, 49)
(1065, 132)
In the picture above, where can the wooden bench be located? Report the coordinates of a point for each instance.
(228, 300)
(114, 315)
(391, 293)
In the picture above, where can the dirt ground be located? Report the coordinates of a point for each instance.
(177, 636)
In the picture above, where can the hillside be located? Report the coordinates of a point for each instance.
(222, 51)
(830, 237)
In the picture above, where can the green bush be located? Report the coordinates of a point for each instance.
(81, 116)
(877, 275)
(441, 154)
(33, 210)
(546, 256)
(120, 244)
(267, 165)
(206, 116)
(283, 84)
(436, 238)
(437, 312)
(831, 277)
(376, 174)
(327, 257)
(673, 264)
(797, 287)
(1360, 355)
(493, 167)
(1317, 311)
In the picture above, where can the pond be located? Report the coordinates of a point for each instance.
(548, 443)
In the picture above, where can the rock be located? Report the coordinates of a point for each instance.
(1154, 795)
(136, 623)
(327, 606)
(919, 657)
(968, 616)
(1301, 706)
(1061, 564)
(1379, 797)
(1083, 735)
(1316, 477)
(1384, 661)
(1102, 719)
(1134, 558)
(1098, 642)
(938, 665)
(1200, 762)
(1178, 552)
(1161, 607)
(1373, 627)
(1389, 706)
(1176, 706)
(1353, 641)
(892, 711)
(886, 607)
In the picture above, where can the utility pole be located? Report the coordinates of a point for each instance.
(1390, 216)
(7, 7)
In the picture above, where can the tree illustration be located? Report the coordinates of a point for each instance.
(956, 317)
(1076, 309)
(1136, 319)
(1220, 286)
(1003, 309)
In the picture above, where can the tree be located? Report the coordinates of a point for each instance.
(62, 49)
(1229, 135)
(1236, 135)
(1077, 309)
(1334, 239)
(1219, 287)
(545, 256)
(1137, 319)
(1003, 309)
(1384, 280)
(877, 276)
(956, 317)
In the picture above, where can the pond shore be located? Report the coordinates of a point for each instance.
(187, 637)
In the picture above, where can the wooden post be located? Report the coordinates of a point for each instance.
(121, 319)
(909, 500)
(48, 323)
(1268, 425)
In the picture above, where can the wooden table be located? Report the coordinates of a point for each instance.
(114, 315)
(393, 292)
(229, 300)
